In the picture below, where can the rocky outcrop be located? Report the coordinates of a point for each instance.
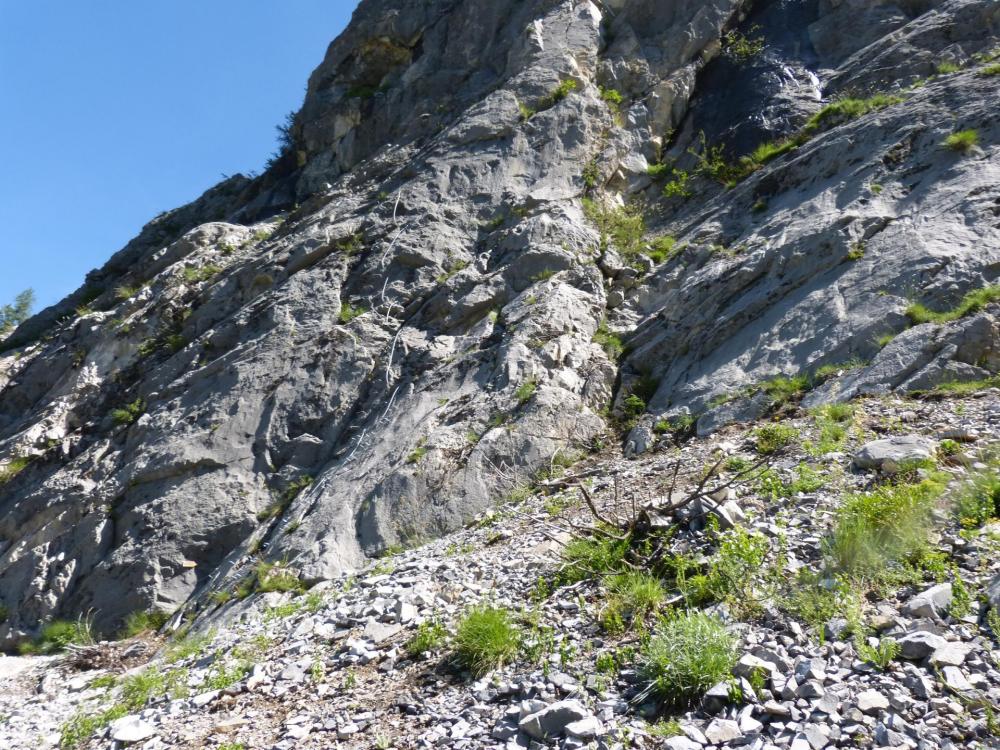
(394, 326)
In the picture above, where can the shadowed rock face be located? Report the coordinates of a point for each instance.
(402, 309)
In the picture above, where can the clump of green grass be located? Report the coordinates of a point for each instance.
(82, 726)
(962, 141)
(957, 388)
(226, 675)
(59, 634)
(198, 275)
(886, 528)
(771, 438)
(138, 623)
(486, 638)
(349, 312)
(621, 227)
(633, 596)
(881, 655)
(560, 92)
(431, 636)
(990, 70)
(273, 577)
(689, 653)
(971, 303)
(833, 421)
(845, 110)
(612, 97)
(591, 557)
(782, 389)
(526, 391)
(945, 67)
(608, 341)
(664, 248)
(129, 413)
(13, 467)
(190, 644)
(978, 500)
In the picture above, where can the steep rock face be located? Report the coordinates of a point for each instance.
(393, 327)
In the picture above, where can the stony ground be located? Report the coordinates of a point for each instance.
(330, 668)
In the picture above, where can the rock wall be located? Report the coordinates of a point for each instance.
(394, 326)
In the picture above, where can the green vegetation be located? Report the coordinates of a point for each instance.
(129, 413)
(351, 245)
(689, 653)
(743, 47)
(946, 67)
(285, 499)
(971, 303)
(621, 227)
(349, 312)
(844, 110)
(990, 70)
(957, 388)
(664, 248)
(13, 467)
(81, 727)
(678, 185)
(59, 634)
(736, 574)
(857, 251)
(430, 636)
(418, 452)
(877, 532)
(612, 97)
(274, 577)
(560, 92)
(453, 268)
(526, 391)
(833, 422)
(977, 501)
(189, 645)
(198, 275)
(632, 596)
(138, 623)
(592, 557)
(12, 315)
(486, 638)
(782, 389)
(608, 341)
(962, 141)
(881, 655)
(771, 438)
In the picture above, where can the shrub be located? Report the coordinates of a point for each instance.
(621, 227)
(590, 557)
(485, 639)
(771, 438)
(144, 622)
(962, 141)
(741, 47)
(978, 500)
(198, 275)
(677, 187)
(781, 390)
(430, 636)
(608, 341)
(14, 467)
(690, 653)
(557, 94)
(664, 248)
(633, 596)
(885, 528)
(129, 413)
(525, 391)
(734, 576)
(285, 499)
(272, 577)
(612, 97)
(971, 303)
(12, 315)
(349, 312)
(59, 634)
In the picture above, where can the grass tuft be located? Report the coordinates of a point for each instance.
(486, 638)
(971, 303)
(962, 141)
(689, 654)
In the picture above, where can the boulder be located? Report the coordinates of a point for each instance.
(553, 720)
(931, 603)
(131, 729)
(891, 453)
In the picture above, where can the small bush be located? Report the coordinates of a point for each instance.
(689, 654)
(633, 596)
(526, 391)
(845, 110)
(962, 141)
(14, 467)
(621, 227)
(782, 390)
(430, 636)
(587, 557)
(129, 413)
(349, 312)
(771, 438)
(560, 92)
(678, 187)
(664, 248)
(143, 622)
(608, 341)
(271, 577)
(198, 275)
(418, 452)
(740, 47)
(59, 634)
(971, 303)
(486, 638)
(612, 97)
(978, 500)
(882, 529)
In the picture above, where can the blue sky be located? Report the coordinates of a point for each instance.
(111, 112)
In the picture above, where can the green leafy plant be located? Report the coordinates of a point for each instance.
(622, 228)
(886, 652)
(689, 653)
(526, 391)
(431, 635)
(771, 438)
(13, 467)
(743, 47)
(129, 413)
(418, 452)
(962, 141)
(971, 303)
(608, 341)
(633, 596)
(349, 312)
(485, 638)
(198, 275)
(59, 634)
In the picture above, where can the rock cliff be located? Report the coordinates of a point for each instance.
(495, 228)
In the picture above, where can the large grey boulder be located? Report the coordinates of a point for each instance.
(891, 453)
(553, 720)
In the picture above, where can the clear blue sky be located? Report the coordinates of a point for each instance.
(111, 112)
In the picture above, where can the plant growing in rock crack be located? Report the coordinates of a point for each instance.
(129, 413)
(971, 303)
(526, 391)
(349, 312)
(485, 639)
(962, 141)
(285, 498)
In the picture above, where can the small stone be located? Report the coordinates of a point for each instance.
(951, 654)
(872, 701)
(920, 645)
(131, 729)
(552, 720)
(721, 731)
(680, 743)
(930, 603)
